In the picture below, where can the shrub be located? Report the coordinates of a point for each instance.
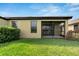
(9, 34)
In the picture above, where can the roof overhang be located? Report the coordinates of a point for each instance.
(2, 17)
(37, 18)
(74, 23)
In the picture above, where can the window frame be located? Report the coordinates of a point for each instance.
(33, 30)
(14, 24)
(76, 28)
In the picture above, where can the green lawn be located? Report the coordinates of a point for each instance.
(40, 47)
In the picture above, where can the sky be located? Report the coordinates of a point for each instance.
(39, 9)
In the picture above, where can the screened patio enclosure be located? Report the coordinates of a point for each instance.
(53, 29)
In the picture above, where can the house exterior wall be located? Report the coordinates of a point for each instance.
(66, 27)
(71, 24)
(3, 22)
(71, 27)
(25, 27)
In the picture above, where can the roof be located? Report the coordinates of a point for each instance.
(2, 17)
(37, 17)
(74, 22)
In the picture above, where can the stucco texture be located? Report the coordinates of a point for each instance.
(3, 23)
(25, 27)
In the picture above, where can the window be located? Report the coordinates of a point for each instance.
(14, 24)
(75, 27)
(33, 26)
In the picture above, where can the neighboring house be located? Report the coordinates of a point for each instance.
(38, 27)
(73, 25)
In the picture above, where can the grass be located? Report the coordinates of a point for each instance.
(40, 47)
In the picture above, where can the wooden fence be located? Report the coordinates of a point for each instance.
(73, 34)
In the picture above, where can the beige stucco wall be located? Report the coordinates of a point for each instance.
(71, 24)
(70, 27)
(25, 27)
(3, 22)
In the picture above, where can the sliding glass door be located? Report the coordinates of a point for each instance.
(47, 28)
